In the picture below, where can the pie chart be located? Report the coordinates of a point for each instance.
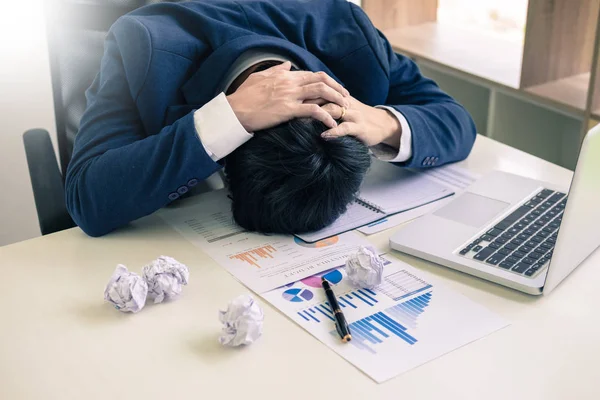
(297, 295)
(333, 277)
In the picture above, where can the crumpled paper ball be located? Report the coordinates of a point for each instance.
(127, 291)
(365, 268)
(242, 322)
(165, 277)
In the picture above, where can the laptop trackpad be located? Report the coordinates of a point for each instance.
(472, 209)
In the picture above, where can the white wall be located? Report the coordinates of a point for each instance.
(25, 103)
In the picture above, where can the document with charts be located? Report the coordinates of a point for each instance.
(261, 262)
(406, 321)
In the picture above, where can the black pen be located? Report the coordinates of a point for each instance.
(340, 321)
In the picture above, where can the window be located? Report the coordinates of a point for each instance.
(504, 18)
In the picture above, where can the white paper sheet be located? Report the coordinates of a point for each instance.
(406, 321)
(392, 189)
(259, 261)
(386, 190)
(452, 176)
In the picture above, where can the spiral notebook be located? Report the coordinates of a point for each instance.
(387, 189)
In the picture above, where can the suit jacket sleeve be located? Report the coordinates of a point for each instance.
(442, 130)
(118, 173)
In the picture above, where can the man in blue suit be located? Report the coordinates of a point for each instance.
(290, 95)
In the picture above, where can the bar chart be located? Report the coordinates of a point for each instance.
(402, 323)
(390, 324)
(351, 300)
(252, 257)
(409, 311)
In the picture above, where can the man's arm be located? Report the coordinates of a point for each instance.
(441, 130)
(118, 173)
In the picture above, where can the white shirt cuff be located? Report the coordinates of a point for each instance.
(404, 153)
(219, 129)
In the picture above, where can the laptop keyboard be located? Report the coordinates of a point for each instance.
(522, 242)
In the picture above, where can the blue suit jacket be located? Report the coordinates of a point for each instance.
(137, 146)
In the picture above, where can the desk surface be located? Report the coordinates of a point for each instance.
(58, 340)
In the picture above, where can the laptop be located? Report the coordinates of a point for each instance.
(515, 231)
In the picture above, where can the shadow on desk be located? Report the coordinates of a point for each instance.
(145, 229)
(208, 348)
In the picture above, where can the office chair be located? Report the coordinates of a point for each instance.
(76, 30)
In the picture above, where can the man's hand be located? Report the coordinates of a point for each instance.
(368, 124)
(277, 95)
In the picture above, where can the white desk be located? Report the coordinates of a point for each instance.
(58, 340)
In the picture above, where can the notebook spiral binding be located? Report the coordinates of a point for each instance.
(368, 205)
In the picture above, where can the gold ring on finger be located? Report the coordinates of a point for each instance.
(343, 113)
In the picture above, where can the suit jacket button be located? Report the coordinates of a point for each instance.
(173, 196)
(192, 182)
(182, 190)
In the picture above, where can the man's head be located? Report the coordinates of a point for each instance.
(287, 179)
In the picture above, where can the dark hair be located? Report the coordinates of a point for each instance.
(287, 179)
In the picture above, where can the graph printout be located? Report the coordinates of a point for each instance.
(399, 325)
(259, 261)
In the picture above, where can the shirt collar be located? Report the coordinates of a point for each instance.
(246, 60)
